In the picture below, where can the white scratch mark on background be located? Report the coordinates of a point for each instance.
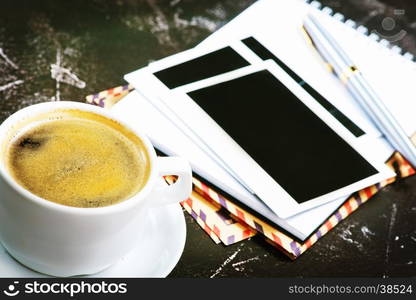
(245, 261)
(160, 25)
(389, 233)
(8, 60)
(346, 235)
(226, 262)
(198, 21)
(65, 75)
(10, 85)
(366, 232)
(345, 238)
(174, 2)
(218, 11)
(54, 75)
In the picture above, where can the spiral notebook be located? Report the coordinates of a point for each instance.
(275, 25)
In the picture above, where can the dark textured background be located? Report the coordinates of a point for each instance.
(102, 40)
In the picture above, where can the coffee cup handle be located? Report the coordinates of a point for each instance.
(179, 190)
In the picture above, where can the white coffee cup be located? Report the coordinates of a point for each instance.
(65, 241)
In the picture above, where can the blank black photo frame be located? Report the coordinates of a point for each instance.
(289, 141)
(217, 62)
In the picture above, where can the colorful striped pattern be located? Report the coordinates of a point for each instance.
(201, 222)
(108, 98)
(207, 206)
(215, 218)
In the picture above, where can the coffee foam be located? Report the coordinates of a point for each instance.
(78, 158)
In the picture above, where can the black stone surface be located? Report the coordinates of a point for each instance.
(102, 40)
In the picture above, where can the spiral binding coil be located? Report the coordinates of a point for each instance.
(361, 29)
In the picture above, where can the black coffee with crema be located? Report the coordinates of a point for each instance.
(79, 159)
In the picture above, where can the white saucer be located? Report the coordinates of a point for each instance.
(156, 256)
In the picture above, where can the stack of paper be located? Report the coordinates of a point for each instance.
(259, 117)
